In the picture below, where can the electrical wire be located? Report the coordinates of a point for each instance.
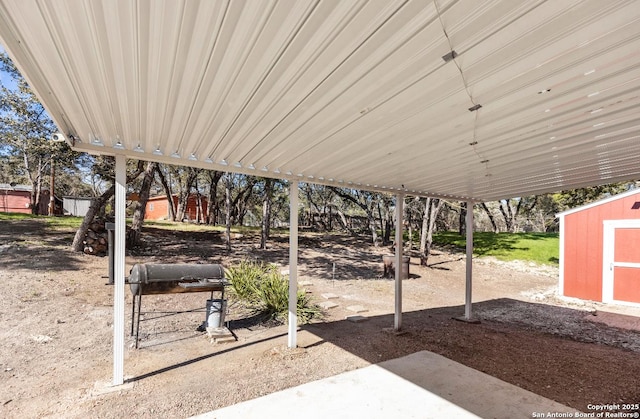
(473, 143)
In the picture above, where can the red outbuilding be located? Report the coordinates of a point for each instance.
(600, 250)
(17, 198)
(158, 208)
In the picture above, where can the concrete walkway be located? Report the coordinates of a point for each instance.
(420, 385)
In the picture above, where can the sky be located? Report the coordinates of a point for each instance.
(4, 77)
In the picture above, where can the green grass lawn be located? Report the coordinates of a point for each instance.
(55, 222)
(541, 248)
(68, 222)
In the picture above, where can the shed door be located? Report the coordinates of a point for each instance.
(621, 262)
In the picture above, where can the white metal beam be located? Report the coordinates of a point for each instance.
(467, 306)
(561, 218)
(318, 88)
(293, 264)
(397, 322)
(119, 261)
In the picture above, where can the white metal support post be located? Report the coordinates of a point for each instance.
(469, 219)
(119, 254)
(293, 264)
(397, 321)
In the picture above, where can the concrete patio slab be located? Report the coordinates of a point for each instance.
(421, 385)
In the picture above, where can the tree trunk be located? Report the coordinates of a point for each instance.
(386, 237)
(199, 216)
(239, 203)
(35, 204)
(133, 236)
(343, 219)
(435, 209)
(507, 213)
(462, 224)
(186, 184)
(213, 206)
(370, 217)
(266, 212)
(372, 228)
(168, 193)
(227, 202)
(93, 210)
(490, 215)
(198, 203)
(432, 208)
(97, 205)
(34, 190)
(52, 184)
(423, 232)
(243, 204)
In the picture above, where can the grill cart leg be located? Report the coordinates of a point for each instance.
(138, 319)
(133, 312)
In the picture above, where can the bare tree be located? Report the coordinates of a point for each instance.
(133, 236)
(491, 218)
(431, 209)
(228, 183)
(187, 177)
(266, 212)
(167, 190)
(511, 214)
(462, 225)
(213, 205)
(364, 200)
(96, 207)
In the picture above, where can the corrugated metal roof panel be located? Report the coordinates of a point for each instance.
(356, 91)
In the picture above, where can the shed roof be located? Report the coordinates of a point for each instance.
(9, 187)
(21, 188)
(453, 98)
(600, 202)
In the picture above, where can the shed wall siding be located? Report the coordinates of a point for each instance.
(157, 209)
(583, 245)
(76, 206)
(19, 201)
(15, 202)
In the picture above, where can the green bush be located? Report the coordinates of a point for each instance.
(265, 288)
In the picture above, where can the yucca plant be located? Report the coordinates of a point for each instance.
(306, 310)
(245, 278)
(264, 287)
(273, 293)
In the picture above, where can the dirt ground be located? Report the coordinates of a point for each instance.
(56, 312)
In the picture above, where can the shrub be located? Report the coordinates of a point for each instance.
(265, 288)
(245, 278)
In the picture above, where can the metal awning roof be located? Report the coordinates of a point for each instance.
(349, 93)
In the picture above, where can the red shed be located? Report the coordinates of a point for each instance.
(600, 250)
(158, 208)
(18, 199)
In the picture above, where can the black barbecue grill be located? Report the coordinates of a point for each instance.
(148, 279)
